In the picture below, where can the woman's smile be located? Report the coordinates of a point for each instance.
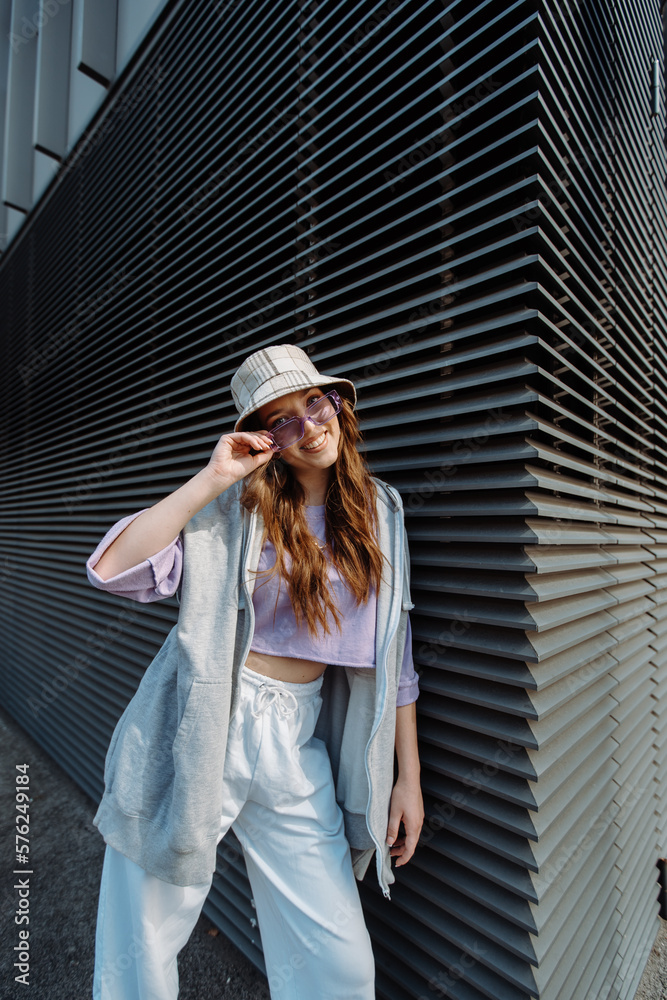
(316, 444)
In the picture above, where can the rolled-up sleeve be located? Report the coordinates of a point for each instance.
(151, 580)
(408, 683)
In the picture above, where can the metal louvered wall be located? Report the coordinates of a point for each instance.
(460, 206)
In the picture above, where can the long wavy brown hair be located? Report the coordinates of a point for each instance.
(351, 528)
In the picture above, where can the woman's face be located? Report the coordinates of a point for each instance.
(318, 448)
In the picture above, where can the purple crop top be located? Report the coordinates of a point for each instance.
(159, 575)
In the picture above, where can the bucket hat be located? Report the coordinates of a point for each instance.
(275, 371)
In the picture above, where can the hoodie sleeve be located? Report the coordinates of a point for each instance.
(408, 682)
(151, 580)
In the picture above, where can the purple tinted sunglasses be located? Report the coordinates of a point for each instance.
(292, 430)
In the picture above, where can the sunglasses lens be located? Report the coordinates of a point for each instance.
(322, 410)
(287, 433)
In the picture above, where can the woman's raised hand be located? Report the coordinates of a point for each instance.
(232, 459)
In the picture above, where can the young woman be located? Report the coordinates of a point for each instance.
(277, 705)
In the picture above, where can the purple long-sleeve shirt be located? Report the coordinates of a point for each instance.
(159, 576)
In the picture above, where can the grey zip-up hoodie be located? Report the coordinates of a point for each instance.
(163, 772)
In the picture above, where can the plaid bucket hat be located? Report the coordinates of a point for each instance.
(275, 371)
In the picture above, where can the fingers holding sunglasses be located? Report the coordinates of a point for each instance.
(263, 440)
(258, 441)
(239, 453)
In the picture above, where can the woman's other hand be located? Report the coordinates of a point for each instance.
(407, 806)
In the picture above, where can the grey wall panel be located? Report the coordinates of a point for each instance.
(21, 61)
(97, 22)
(461, 207)
(52, 82)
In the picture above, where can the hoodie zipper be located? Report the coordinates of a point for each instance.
(245, 597)
(393, 626)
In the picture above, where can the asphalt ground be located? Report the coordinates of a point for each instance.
(66, 855)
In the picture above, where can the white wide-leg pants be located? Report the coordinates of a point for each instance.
(279, 799)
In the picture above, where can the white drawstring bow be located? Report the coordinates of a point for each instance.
(268, 694)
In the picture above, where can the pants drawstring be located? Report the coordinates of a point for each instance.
(268, 694)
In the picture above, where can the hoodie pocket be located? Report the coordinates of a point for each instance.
(138, 768)
(201, 702)
(198, 754)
